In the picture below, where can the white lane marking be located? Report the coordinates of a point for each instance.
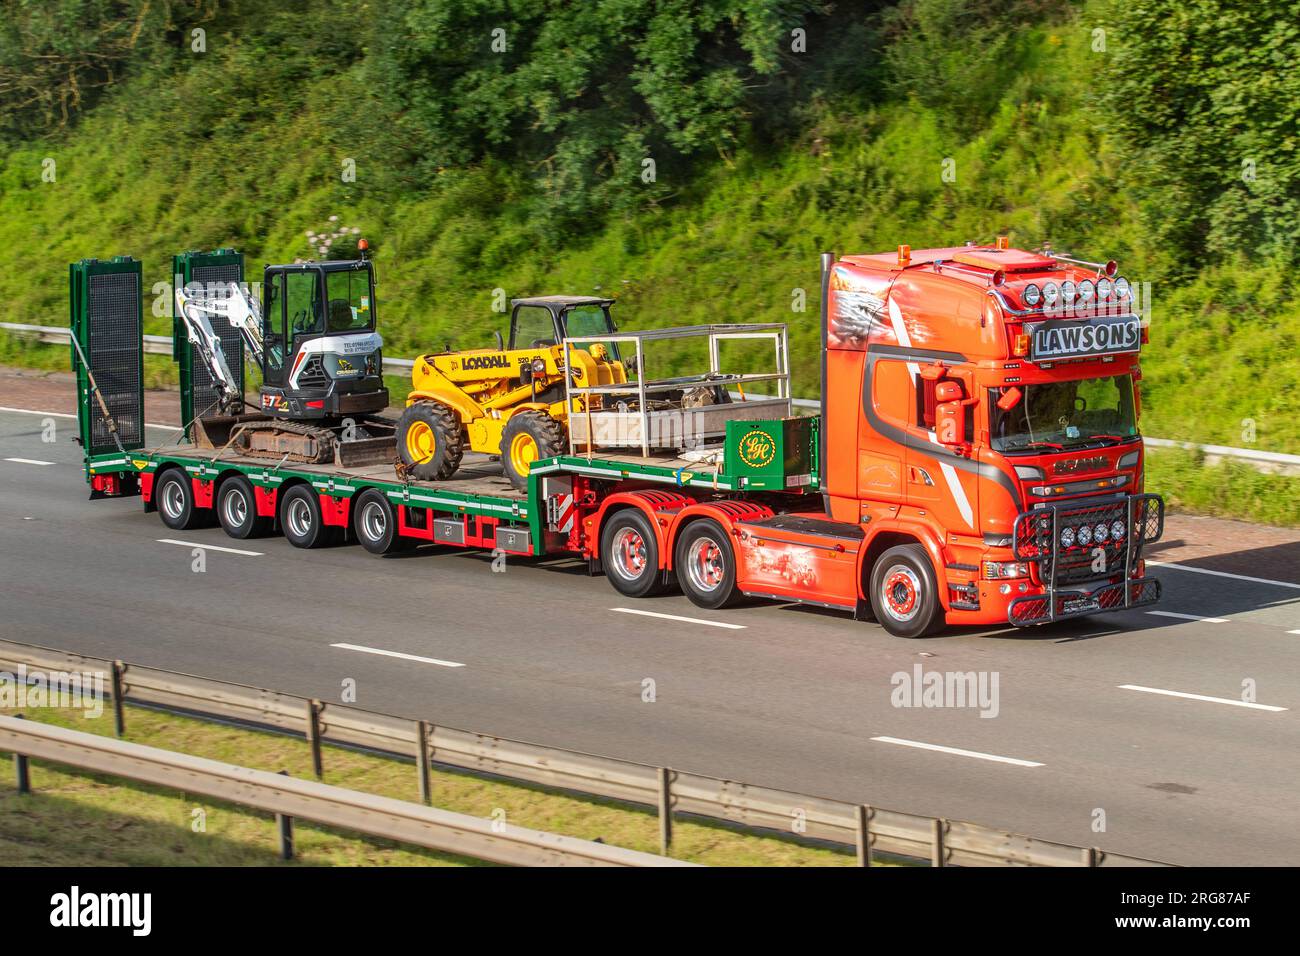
(1294, 632)
(1212, 700)
(29, 461)
(676, 617)
(209, 547)
(1223, 574)
(33, 411)
(958, 751)
(398, 654)
(1190, 617)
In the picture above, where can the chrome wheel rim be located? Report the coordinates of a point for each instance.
(298, 518)
(628, 554)
(373, 522)
(235, 508)
(173, 499)
(900, 592)
(705, 565)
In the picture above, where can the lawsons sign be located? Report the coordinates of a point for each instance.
(1063, 340)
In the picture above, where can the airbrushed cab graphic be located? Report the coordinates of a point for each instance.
(984, 401)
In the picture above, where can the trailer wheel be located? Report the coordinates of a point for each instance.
(237, 509)
(174, 496)
(904, 592)
(375, 524)
(629, 551)
(301, 520)
(430, 440)
(529, 436)
(706, 565)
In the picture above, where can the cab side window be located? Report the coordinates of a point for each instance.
(533, 328)
(302, 300)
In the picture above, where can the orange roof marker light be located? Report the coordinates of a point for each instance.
(904, 255)
(1003, 242)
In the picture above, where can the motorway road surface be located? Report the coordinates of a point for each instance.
(785, 697)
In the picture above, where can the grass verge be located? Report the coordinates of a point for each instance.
(1226, 490)
(74, 818)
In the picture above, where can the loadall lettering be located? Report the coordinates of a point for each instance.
(472, 362)
(1076, 339)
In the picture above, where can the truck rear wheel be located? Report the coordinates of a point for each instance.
(301, 519)
(237, 509)
(904, 592)
(173, 494)
(629, 552)
(529, 436)
(375, 524)
(430, 440)
(706, 565)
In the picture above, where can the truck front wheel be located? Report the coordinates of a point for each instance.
(629, 552)
(706, 565)
(904, 593)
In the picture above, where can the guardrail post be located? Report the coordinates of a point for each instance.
(119, 703)
(313, 736)
(1091, 856)
(21, 775)
(422, 760)
(665, 811)
(937, 851)
(284, 823)
(864, 814)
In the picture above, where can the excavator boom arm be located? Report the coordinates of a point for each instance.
(234, 306)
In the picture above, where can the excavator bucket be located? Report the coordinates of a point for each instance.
(365, 451)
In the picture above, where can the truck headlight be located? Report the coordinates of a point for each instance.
(1085, 535)
(1117, 530)
(1101, 532)
(1000, 570)
(1032, 295)
(1067, 537)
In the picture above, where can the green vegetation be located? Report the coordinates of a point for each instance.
(1161, 133)
(1228, 490)
(75, 818)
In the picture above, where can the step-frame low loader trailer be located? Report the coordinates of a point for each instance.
(976, 461)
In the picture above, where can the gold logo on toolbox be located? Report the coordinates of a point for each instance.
(757, 449)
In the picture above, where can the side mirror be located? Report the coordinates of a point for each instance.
(1010, 398)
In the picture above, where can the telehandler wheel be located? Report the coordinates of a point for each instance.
(375, 522)
(629, 552)
(905, 593)
(430, 440)
(529, 436)
(705, 563)
(301, 519)
(237, 509)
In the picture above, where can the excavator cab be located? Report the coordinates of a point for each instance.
(321, 354)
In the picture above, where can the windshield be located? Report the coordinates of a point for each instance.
(1058, 415)
(589, 320)
(350, 307)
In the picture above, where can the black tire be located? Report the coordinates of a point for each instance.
(629, 553)
(705, 562)
(904, 592)
(301, 519)
(430, 440)
(547, 436)
(237, 509)
(173, 494)
(374, 522)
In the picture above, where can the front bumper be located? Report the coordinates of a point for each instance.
(1086, 579)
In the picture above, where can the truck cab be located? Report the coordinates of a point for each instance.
(983, 402)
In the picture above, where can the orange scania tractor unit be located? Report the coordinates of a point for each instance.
(976, 460)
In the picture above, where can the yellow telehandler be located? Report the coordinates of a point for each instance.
(507, 401)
